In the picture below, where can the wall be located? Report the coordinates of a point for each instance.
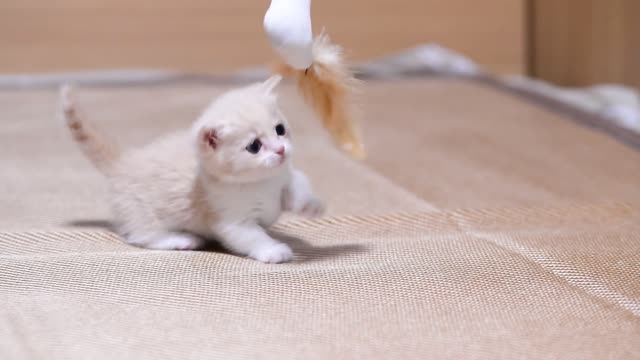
(218, 35)
(582, 42)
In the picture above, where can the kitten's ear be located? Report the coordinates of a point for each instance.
(208, 138)
(271, 83)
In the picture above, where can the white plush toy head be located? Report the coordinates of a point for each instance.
(288, 26)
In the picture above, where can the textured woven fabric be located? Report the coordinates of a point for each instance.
(505, 232)
(458, 285)
(461, 144)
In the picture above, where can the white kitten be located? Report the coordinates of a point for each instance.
(228, 178)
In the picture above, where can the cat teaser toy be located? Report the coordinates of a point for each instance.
(318, 68)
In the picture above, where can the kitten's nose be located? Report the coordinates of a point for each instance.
(280, 151)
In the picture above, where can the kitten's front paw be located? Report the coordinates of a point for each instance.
(272, 254)
(169, 241)
(313, 208)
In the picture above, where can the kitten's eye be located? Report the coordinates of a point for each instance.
(255, 146)
(280, 130)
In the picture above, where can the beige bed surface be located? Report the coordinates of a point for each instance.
(481, 227)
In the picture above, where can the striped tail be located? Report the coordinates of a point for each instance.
(102, 152)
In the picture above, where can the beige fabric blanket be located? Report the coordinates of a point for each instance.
(482, 226)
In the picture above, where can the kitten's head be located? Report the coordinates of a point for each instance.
(243, 136)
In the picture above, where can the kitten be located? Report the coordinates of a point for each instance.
(227, 178)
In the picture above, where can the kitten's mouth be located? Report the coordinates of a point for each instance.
(281, 159)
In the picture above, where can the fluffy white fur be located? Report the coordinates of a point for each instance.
(204, 183)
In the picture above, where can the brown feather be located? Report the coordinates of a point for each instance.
(327, 86)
